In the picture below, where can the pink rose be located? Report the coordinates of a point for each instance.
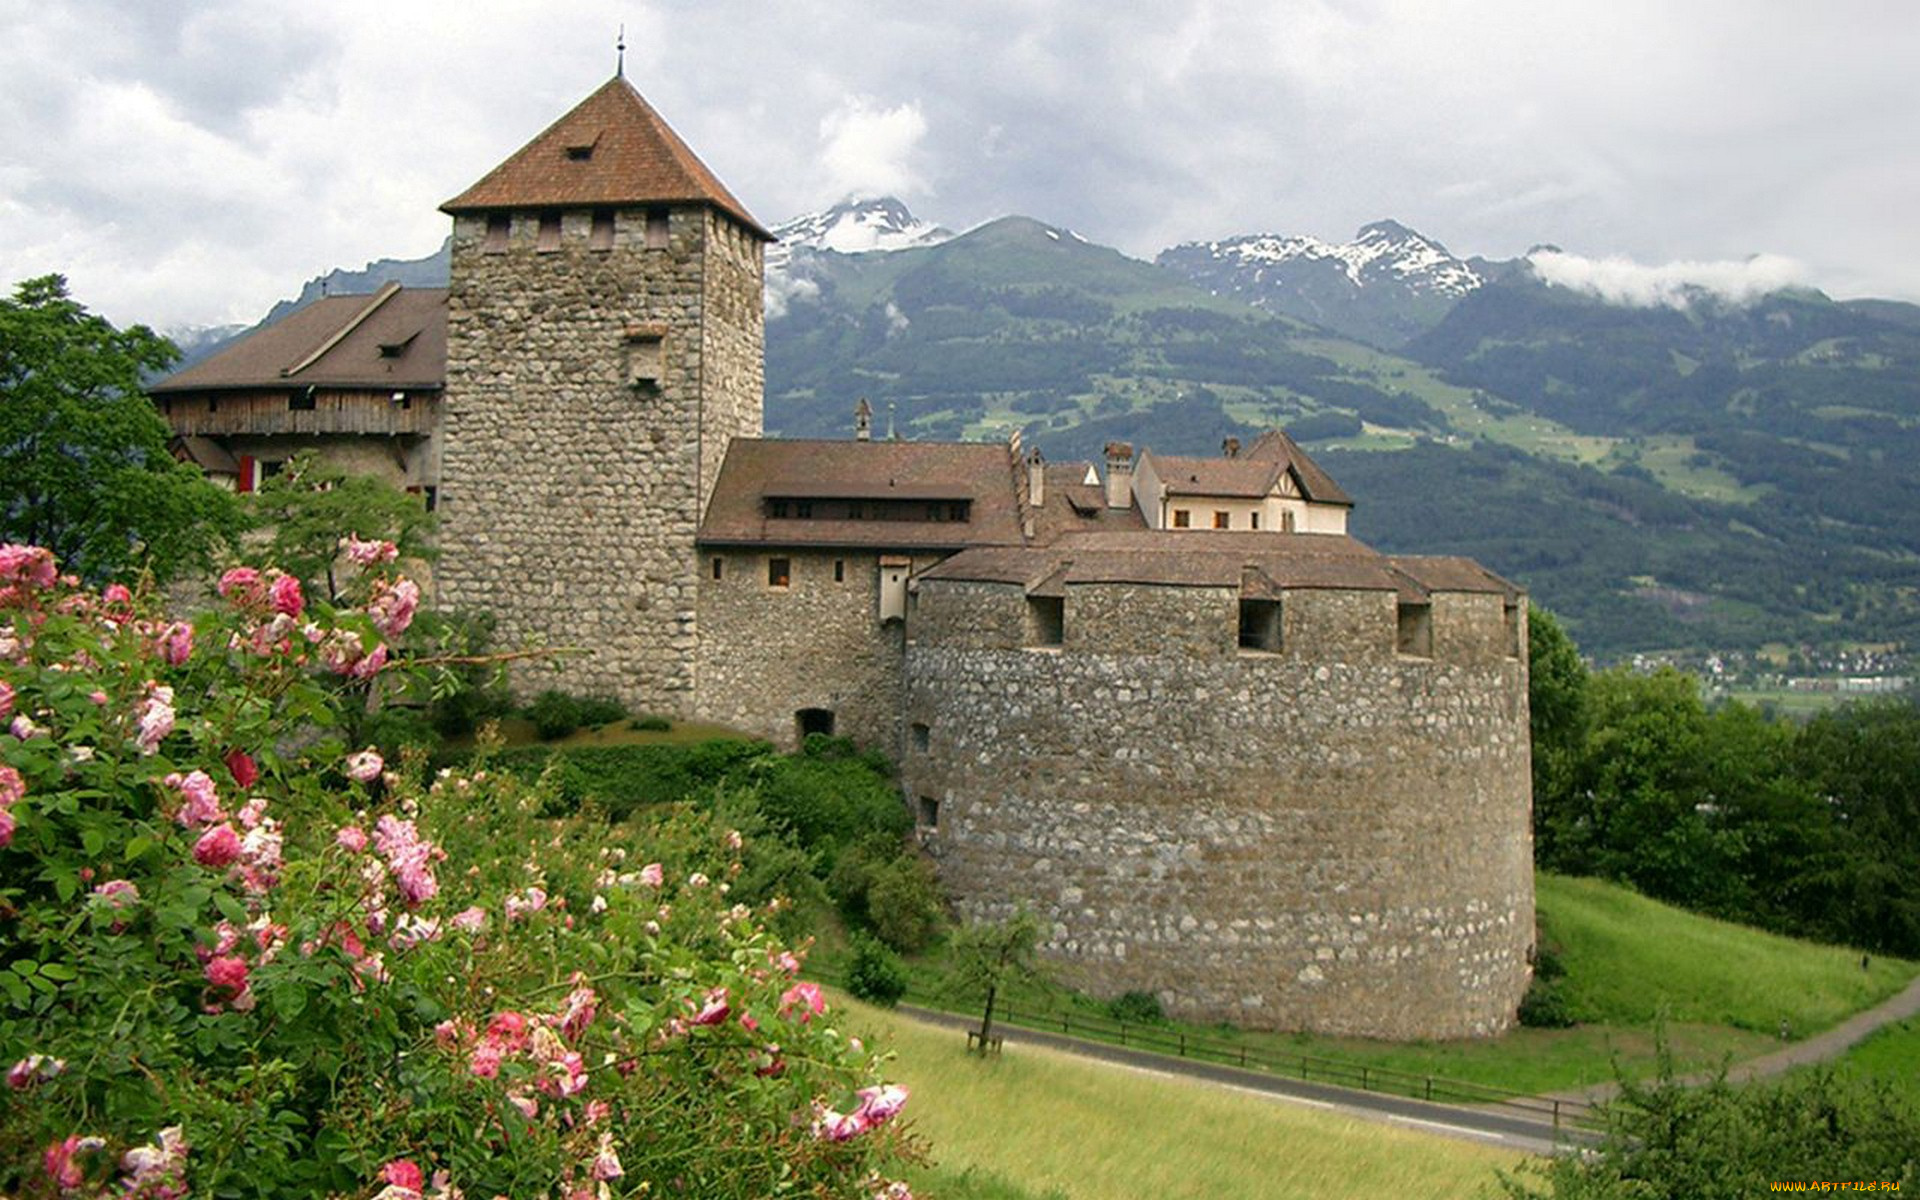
(175, 644)
(653, 875)
(228, 971)
(393, 605)
(6, 699)
(241, 766)
(352, 837)
(6, 828)
(715, 1010)
(284, 595)
(838, 1127)
(32, 565)
(470, 920)
(880, 1103)
(12, 786)
(803, 1000)
(118, 895)
(365, 767)
(402, 1173)
(200, 802)
(218, 847)
(366, 554)
(606, 1162)
(241, 586)
(370, 666)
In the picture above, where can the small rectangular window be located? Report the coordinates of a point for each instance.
(803, 509)
(1414, 635)
(779, 572)
(1046, 620)
(549, 239)
(301, 401)
(602, 236)
(716, 568)
(1513, 630)
(498, 226)
(1222, 520)
(777, 509)
(856, 512)
(657, 229)
(1260, 625)
(1182, 519)
(839, 570)
(1255, 518)
(922, 736)
(929, 813)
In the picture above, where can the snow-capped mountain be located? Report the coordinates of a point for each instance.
(857, 226)
(1386, 285)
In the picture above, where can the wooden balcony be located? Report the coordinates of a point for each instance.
(320, 411)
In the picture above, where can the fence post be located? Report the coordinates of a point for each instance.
(1303, 1067)
(1429, 1088)
(1556, 1116)
(1363, 1080)
(1183, 1043)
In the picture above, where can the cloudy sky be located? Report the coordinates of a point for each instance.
(190, 163)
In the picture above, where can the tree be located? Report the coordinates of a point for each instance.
(311, 505)
(1557, 713)
(84, 467)
(990, 955)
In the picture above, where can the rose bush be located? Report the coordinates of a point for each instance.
(239, 956)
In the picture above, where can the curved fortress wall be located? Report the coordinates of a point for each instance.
(1331, 836)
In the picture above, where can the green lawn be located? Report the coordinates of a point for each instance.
(1032, 1123)
(1716, 990)
(1892, 1054)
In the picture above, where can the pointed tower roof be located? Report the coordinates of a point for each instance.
(611, 150)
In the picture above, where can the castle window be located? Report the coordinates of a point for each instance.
(1260, 625)
(1513, 629)
(716, 568)
(549, 239)
(580, 153)
(1222, 520)
(839, 570)
(601, 237)
(1046, 620)
(777, 509)
(301, 401)
(779, 572)
(809, 721)
(1182, 519)
(645, 362)
(856, 511)
(1255, 518)
(929, 815)
(922, 736)
(803, 509)
(657, 229)
(498, 226)
(1415, 634)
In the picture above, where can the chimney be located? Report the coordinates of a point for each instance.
(1231, 447)
(863, 421)
(1119, 475)
(1036, 479)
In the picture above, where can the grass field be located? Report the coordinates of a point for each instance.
(1716, 991)
(1892, 1054)
(1033, 1123)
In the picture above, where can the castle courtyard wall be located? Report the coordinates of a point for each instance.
(1307, 839)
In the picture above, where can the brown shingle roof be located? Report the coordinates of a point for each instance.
(1255, 564)
(1275, 446)
(1183, 476)
(1438, 573)
(631, 157)
(759, 469)
(411, 323)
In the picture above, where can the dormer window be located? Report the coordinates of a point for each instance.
(579, 153)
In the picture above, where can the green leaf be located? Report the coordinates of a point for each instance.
(93, 841)
(138, 848)
(289, 1000)
(59, 971)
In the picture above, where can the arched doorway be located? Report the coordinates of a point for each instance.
(813, 720)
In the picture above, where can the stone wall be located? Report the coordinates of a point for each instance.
(569, 498)
(767, 652)
(1305, 839)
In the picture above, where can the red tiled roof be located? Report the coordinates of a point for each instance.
(396, 338)
(611, 150)
(759, 469)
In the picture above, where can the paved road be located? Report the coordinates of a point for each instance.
(1487, 1125)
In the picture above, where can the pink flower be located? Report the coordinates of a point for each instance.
(370, 666)
(470, 920)
(366, 554)
(12, 786)
(155, 717)
(895, 1190)
(31, 565)
(200, 802)
(409, 858)
(175, 644)
(577, 1013)
(6, 828)
(528, 1106)
(882, 1102)
(23, 728)
(785, 962)
(365, 767)
(118, 895)
(218, 847)
(392, 606)
(521, 904)
(34, 1069)
(62, 1160)
(653, 875)
(698, 880)
(715, 1009)
(157, 1170)
(227, 971)
(606, 1163)
(253, 812)
(403, 1173)
(352, 837)
(837, 1127)
(241, 766)
(805, 1000)
(241, 586)
(284, 595)
(6, 699)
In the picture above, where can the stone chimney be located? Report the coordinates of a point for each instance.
(863, 421)
(1036, 479)
(1230, 448)
(1119, 475)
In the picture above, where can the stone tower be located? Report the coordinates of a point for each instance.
(604, 343)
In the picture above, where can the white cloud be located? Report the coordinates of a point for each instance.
(868, 149)
(1623, 281)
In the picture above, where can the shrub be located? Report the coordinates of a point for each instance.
(905, 904)
(1545, 1006)
(554, 714)
(1139, 1008)
(876, 974)
(596, 711)
(288, 969)
(650, 724)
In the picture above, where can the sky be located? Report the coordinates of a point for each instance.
(189, 163)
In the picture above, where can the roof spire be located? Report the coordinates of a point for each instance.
(620, 53)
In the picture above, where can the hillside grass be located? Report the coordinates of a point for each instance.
(1055, 1125)
(1892, 1054)
(1638, 971)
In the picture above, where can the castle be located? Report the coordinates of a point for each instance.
(1228, 754)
